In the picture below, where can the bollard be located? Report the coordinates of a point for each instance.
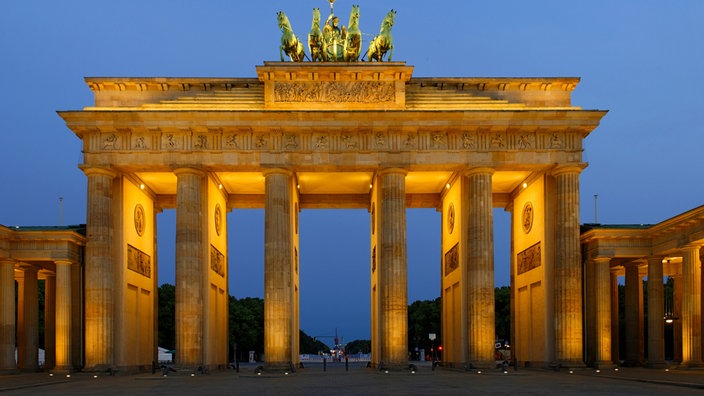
(325, 364)
(347, 363)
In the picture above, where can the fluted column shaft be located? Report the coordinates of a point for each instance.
(99, 270)
(28, 320)
(568, 269)
(602, 292)
(278, 307)
(393, 278)
(7, 316)
(656, 313)
(63, 316)
(189, 268)
(480, 267)
(691, 307)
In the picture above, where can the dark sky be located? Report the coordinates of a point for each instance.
(640, 59)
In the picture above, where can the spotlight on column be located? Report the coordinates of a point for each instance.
(447, 186)
(141, 186)
(525, 185)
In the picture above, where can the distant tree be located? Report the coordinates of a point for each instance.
(246, 326)
(502, 309)
(358, 346)
(167, 316)
(424, 318)
(310, 345)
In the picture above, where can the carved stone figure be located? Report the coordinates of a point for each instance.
(383, 42)
(290, 44)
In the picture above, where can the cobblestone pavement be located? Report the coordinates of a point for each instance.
(336, 380)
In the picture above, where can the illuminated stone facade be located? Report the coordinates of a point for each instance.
(333, 135)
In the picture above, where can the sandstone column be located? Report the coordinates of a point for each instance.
(99, 271)
(677, 324)
(189, 268)
(480, 267)
(7, 316)
(602, 293)
(656, 313)
(691, 307)
(633, 306)
(63, 317)
(393, 279)
(50, 321)
(615, 358)
(568, 269)
(28, 320)
(278, 261)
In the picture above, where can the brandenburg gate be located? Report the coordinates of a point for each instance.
(332, 135)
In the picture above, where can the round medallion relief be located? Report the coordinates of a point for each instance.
(527, 217)
(140, 220)
(217, 219)
(451, 218)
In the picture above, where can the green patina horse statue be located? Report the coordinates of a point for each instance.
(290, 44)
(353, 41)
(315, 38)
(383, 42)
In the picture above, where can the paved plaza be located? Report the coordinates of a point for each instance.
(336, 380)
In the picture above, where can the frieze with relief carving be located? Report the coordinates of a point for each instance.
(217, 261)
(335, 92)
(529, 259)
(139, 262)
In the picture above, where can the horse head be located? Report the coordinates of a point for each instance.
(283, 20)
(316, 18)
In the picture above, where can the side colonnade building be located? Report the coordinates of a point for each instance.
(671, 249)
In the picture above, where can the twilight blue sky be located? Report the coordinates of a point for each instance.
(642, 60)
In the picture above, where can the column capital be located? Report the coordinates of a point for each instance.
(479, 170)
(98, 171)
(601, 259)
(280, 171)
(568, 168)
(386, 171)
(64, 262)
(193, 171)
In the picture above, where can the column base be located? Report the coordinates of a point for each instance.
(567, 364)
(605, 365)
(691, 365)
(61, 371)
(397, 366)
(656, 365)
(279, 367)
(479, 365)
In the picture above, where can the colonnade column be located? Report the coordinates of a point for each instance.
(99, 271)
(656, 313)
(189, 268)
(567, 269)
(602, 300)
(634, 325)
(615, 345)
(278, 267)
(50, 321)
(28, 320)
(393, 279)
(63, 317)
(691, 307)
(7, 316)
(677, 324)
(480, 267)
